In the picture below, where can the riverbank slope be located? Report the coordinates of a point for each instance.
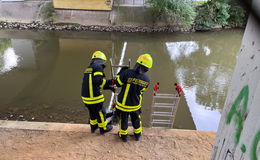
(40, 140)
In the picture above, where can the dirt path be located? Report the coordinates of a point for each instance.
(49, 141)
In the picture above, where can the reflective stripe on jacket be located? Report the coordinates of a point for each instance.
(93, 81)
(133, 85)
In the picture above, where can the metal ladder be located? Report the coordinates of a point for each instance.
(114, 70)
(163, 113)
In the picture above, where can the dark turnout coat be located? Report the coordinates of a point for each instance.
(133, 85)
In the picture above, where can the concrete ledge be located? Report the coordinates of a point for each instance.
(43, 126)
(40, 140)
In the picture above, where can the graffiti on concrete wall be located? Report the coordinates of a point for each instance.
(238, 112)
(256, 140)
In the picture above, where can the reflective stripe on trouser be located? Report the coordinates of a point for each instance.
(123, 132)
(123, 123)
(103, 123)
(96, 115)
(136, 122)
(93, 122)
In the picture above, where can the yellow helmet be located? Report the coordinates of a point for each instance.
(145, 60)
(100, 55)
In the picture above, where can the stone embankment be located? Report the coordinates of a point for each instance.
(78, 27)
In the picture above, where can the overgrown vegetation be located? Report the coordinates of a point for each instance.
(220, 12)
(176, 12)
(211, 14)
(238, 14)
(48, 12)
(201, 17)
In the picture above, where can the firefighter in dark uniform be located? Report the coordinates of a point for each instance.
(93, 82)
(133, 82)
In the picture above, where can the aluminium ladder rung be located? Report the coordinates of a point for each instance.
(160, 123)
(160, 127)
(164, 94)
(164, 113)
(164, 105)
(168, 97)
(166, 123)
(161, 120)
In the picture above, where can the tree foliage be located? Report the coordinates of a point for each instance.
(211, 14)
(205, 16)
(220, 12)
(238, 14)
(178, 12)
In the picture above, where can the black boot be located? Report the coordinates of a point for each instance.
(109, 128)
(137, 136)
(124, 138)
(93, 128)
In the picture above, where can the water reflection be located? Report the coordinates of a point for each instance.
(207, 51)
(204, 116)
(46, 87)
(177, 49)
(9, 60)
(204, 78)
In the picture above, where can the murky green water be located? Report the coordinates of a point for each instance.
(41, 72)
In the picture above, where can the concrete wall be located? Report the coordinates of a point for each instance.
(139, 16)
(30, 11)
(20, 11)
(100, 5)
(238, 136)
(120, 15)
(83, 17)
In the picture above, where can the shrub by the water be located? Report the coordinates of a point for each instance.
(220, 12)
(177, 12)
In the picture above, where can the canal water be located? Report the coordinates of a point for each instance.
(41, 72)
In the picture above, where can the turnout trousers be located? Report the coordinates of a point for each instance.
(135, 119)
(97, 116)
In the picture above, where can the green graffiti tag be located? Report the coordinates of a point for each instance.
(254, 146)
(243, 148)
(238, 113)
